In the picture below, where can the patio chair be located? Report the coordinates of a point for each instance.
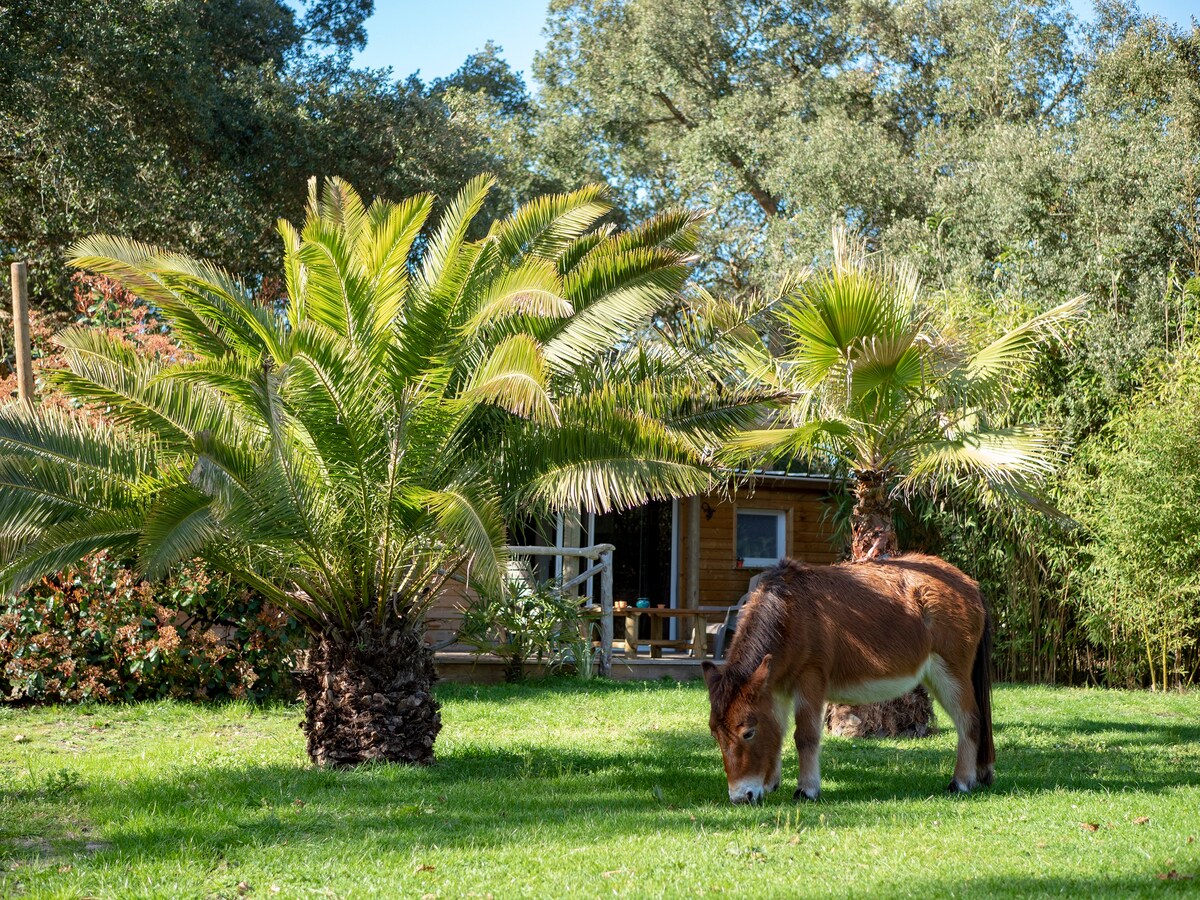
(721, 633)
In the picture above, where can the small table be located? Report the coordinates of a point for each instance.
(658, 616)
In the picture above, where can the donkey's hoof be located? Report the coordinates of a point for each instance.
(954, 789)
(802, 795)
(987, 776)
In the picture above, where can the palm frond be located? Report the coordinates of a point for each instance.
(546, 226)
(106, 370)
(446, 243)
(513, 378)
(129, 263)
(591, 333)
(532, 289)
(619, 482)
(813, 438)
(1016, 457)
(57, 438)
(1014, 349)
(179, 524)
(676, 230)
(470, 513)
(65, 543)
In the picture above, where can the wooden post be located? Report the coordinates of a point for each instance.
(606, 614)
(572, 537)
(693, 553)
(21, 339)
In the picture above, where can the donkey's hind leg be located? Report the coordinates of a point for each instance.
(954, 692)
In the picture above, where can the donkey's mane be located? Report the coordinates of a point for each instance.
(759, 628)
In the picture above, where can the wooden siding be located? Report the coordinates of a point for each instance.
(445, 615)
(722, 582)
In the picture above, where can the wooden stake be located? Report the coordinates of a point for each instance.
(606, 613)
(21, 338)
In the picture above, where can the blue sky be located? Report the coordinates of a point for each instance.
(435, 36)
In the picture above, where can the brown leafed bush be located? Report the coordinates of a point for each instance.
(97, 632)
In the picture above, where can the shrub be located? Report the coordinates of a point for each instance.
(525, 623)
(96, 632)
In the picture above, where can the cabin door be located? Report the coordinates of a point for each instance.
(642, 560)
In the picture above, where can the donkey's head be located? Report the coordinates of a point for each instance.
(743, 720)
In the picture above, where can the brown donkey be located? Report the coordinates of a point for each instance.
(851, 633)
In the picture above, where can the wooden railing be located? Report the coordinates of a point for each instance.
(601, 558)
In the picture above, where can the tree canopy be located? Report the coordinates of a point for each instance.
(1003, 147)
(191, 124)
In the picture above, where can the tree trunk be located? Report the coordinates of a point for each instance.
(873, 536)
(367, 695)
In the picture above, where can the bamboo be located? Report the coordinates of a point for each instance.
(21, 337)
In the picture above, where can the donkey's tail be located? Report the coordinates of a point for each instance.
(981, 681)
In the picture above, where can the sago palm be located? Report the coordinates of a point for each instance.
(877, 391)
(348, 452)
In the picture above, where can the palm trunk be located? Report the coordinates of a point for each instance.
(873, 536)
(368, 695)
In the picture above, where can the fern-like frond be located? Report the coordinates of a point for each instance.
(614, 483)
(469, 513)
(129, 263)
(532, 289)
(57, 438)
(107, 371)
(65, 543)
(447, 240)
(178, 526)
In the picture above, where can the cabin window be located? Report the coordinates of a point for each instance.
(761, 536)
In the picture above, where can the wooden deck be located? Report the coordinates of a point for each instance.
(471, 669)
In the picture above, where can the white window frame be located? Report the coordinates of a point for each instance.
(762, 562)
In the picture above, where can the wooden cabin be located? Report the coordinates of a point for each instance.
(702, 551)
(694, 553)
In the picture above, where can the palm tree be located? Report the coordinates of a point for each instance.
(878, 393)
(349, 452)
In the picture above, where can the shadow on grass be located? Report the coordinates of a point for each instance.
(1061, 886)
(497, 797)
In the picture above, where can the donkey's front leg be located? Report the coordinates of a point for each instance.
(810, 720)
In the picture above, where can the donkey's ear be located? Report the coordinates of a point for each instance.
(762, 673)
(711, 672)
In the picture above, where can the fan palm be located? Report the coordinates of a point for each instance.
(877, 392)
(347, 453)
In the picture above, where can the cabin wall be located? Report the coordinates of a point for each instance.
(445, 614)
(721, 581)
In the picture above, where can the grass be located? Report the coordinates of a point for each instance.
(570, 789)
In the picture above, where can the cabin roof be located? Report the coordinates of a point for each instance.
(781, 477)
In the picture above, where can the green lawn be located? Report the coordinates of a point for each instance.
(563, 789)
